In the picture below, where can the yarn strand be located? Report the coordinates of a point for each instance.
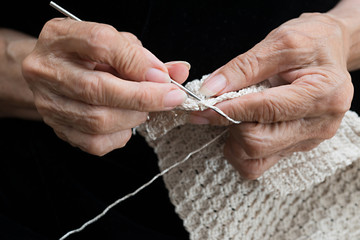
(102, 214)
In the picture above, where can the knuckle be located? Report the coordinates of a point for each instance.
(91, 88)
(245, 64)
(100, 145)
(329, 130)
(253, 169)
(99, 39)
(31, 67)
(130, 62)
(143, 97)
(50, 28)
(324, 128)
(95, 146)
(271, 111)
(100, 34)
(131, 38)
(233, 152)
(287, 37)
(308, 146)
(252, 148)
(252, 142)
(98, 121)
(125, 138)
(341, 101)
(248, 168)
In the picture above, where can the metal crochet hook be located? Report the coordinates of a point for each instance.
(216, 109)
(72, 16)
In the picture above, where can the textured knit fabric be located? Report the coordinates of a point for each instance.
(308, 195)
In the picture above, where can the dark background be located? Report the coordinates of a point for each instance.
(48, 187)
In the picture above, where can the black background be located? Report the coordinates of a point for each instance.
(48, 187)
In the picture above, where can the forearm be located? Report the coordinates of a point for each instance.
(348, 12)
(16, 99)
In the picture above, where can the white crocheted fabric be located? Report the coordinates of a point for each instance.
(308, 195)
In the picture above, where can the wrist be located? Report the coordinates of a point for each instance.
(16, 98)
(347, 13)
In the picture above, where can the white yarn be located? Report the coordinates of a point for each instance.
(308, 195)
(102, 214)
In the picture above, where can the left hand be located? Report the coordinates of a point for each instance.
(305, 60)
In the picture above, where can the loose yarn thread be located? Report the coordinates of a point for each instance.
(102, 214)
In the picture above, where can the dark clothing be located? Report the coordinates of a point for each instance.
(48, 187)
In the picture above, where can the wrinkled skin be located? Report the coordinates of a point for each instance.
(306, 61)
(92, 84)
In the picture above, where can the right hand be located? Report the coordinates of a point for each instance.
(92, 84)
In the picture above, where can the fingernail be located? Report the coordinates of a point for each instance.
(182, 62)
(174, 98)
(198, 120)
(156, 75)
(213, 85)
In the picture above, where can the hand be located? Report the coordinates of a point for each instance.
(306, 62)
(92, 84)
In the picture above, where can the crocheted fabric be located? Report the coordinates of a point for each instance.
(308, 195)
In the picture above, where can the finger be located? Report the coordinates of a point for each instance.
(106, 68)
(178, 70)
(94, 144)
(252, 166)
(254, 66)
(253, 169)
(89, 119)
(283, 103)
(249, 168)
(132, 38)
(309, 96)
(304, 146)
(104, 89)
(104, 44)
(276, 81)
(262, 140)
(257, 141)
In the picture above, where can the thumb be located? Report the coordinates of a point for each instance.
(252, 67)
(134, 62)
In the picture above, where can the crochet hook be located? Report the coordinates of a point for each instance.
(72, 16)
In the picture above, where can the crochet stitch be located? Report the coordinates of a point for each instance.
(308, 195)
